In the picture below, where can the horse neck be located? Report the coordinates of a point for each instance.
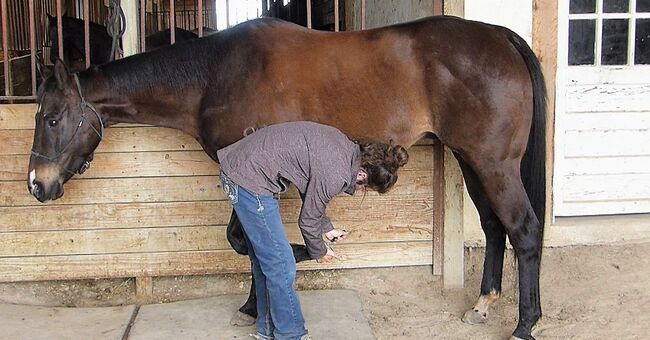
(157, 107)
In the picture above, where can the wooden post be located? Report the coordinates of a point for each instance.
(453, 220)
(144, 289)
(454, 236)
(438, 207)
(130, 41)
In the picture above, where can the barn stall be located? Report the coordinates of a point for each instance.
(151, 205)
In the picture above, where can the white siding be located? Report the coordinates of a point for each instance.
(602, 134)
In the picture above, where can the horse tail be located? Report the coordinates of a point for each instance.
(533, 165)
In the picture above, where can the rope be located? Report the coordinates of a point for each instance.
(115, 26)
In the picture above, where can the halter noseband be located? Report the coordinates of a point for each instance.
(84, 104)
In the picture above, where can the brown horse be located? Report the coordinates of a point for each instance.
(477, 87)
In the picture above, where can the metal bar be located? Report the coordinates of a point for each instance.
(5, 48)
(143, 12)
(172, 22)
(18, 97)
(32, 44)
(59, 27)
(336, 15)
(87, 32)
(308, 13)
(363, 14)
(200, 18)
(227, 13)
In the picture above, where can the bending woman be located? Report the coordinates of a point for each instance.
(321, 162)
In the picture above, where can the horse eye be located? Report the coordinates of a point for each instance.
(52, 122)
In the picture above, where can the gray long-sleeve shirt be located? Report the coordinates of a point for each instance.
(318, 159)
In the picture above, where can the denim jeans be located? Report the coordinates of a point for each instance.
(274, 267)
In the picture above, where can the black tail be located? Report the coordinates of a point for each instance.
(533, 165)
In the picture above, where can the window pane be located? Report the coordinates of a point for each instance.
(615, 6)
(582, 35)
(642, 42)
(582, 6)
(642, 6)
(614, 50)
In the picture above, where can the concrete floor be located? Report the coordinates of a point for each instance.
(330, 314)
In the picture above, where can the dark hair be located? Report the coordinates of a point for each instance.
(381, 161)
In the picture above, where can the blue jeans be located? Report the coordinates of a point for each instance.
(273, 265)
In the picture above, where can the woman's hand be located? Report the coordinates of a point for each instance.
(329, 257)
(335, 235)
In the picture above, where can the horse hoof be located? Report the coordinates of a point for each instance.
(474, 317)
(242, 320)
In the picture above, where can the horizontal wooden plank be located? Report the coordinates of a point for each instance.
(599, 143)
(165, 163)
(607, 97)
(606, 121)
(416, 210)
(21, 117)
(17, 116)
(174, 189)
(626, 187)
(126, 139)
(85, 242)
(606, 165)
(611, 74)
(603, 208)
(147, 240)
(197, 262)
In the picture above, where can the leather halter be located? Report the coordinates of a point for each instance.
(100, 133)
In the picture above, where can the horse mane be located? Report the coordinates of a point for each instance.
(177, 66)
(185, 64)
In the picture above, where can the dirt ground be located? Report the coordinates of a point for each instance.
(596, 292)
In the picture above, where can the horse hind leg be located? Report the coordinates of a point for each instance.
(501, 181)
(495, 237)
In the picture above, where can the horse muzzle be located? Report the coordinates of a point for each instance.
(43, 193)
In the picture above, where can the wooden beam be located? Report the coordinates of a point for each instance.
(130, 41)
(144, 289)
(13, 269)
(438, 207)
(454, 240)
(412, 210)
(162, 163)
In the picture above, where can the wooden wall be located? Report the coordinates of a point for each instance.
(150, 205)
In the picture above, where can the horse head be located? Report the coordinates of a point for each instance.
(68, 129)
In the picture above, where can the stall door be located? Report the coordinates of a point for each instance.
(602, 138)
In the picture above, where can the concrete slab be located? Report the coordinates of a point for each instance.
(329, 314)
(51, 323)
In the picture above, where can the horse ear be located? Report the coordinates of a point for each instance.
(63, 77)
(43, 70)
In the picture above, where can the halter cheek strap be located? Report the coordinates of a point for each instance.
(100, 133)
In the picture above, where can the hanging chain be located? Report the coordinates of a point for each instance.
(115, 27)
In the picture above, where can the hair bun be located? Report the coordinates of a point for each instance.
(399, 155)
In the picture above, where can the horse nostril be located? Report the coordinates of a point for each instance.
(37, 191)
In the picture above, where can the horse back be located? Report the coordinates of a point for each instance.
(399, 82)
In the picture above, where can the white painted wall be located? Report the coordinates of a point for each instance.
(517, 15)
